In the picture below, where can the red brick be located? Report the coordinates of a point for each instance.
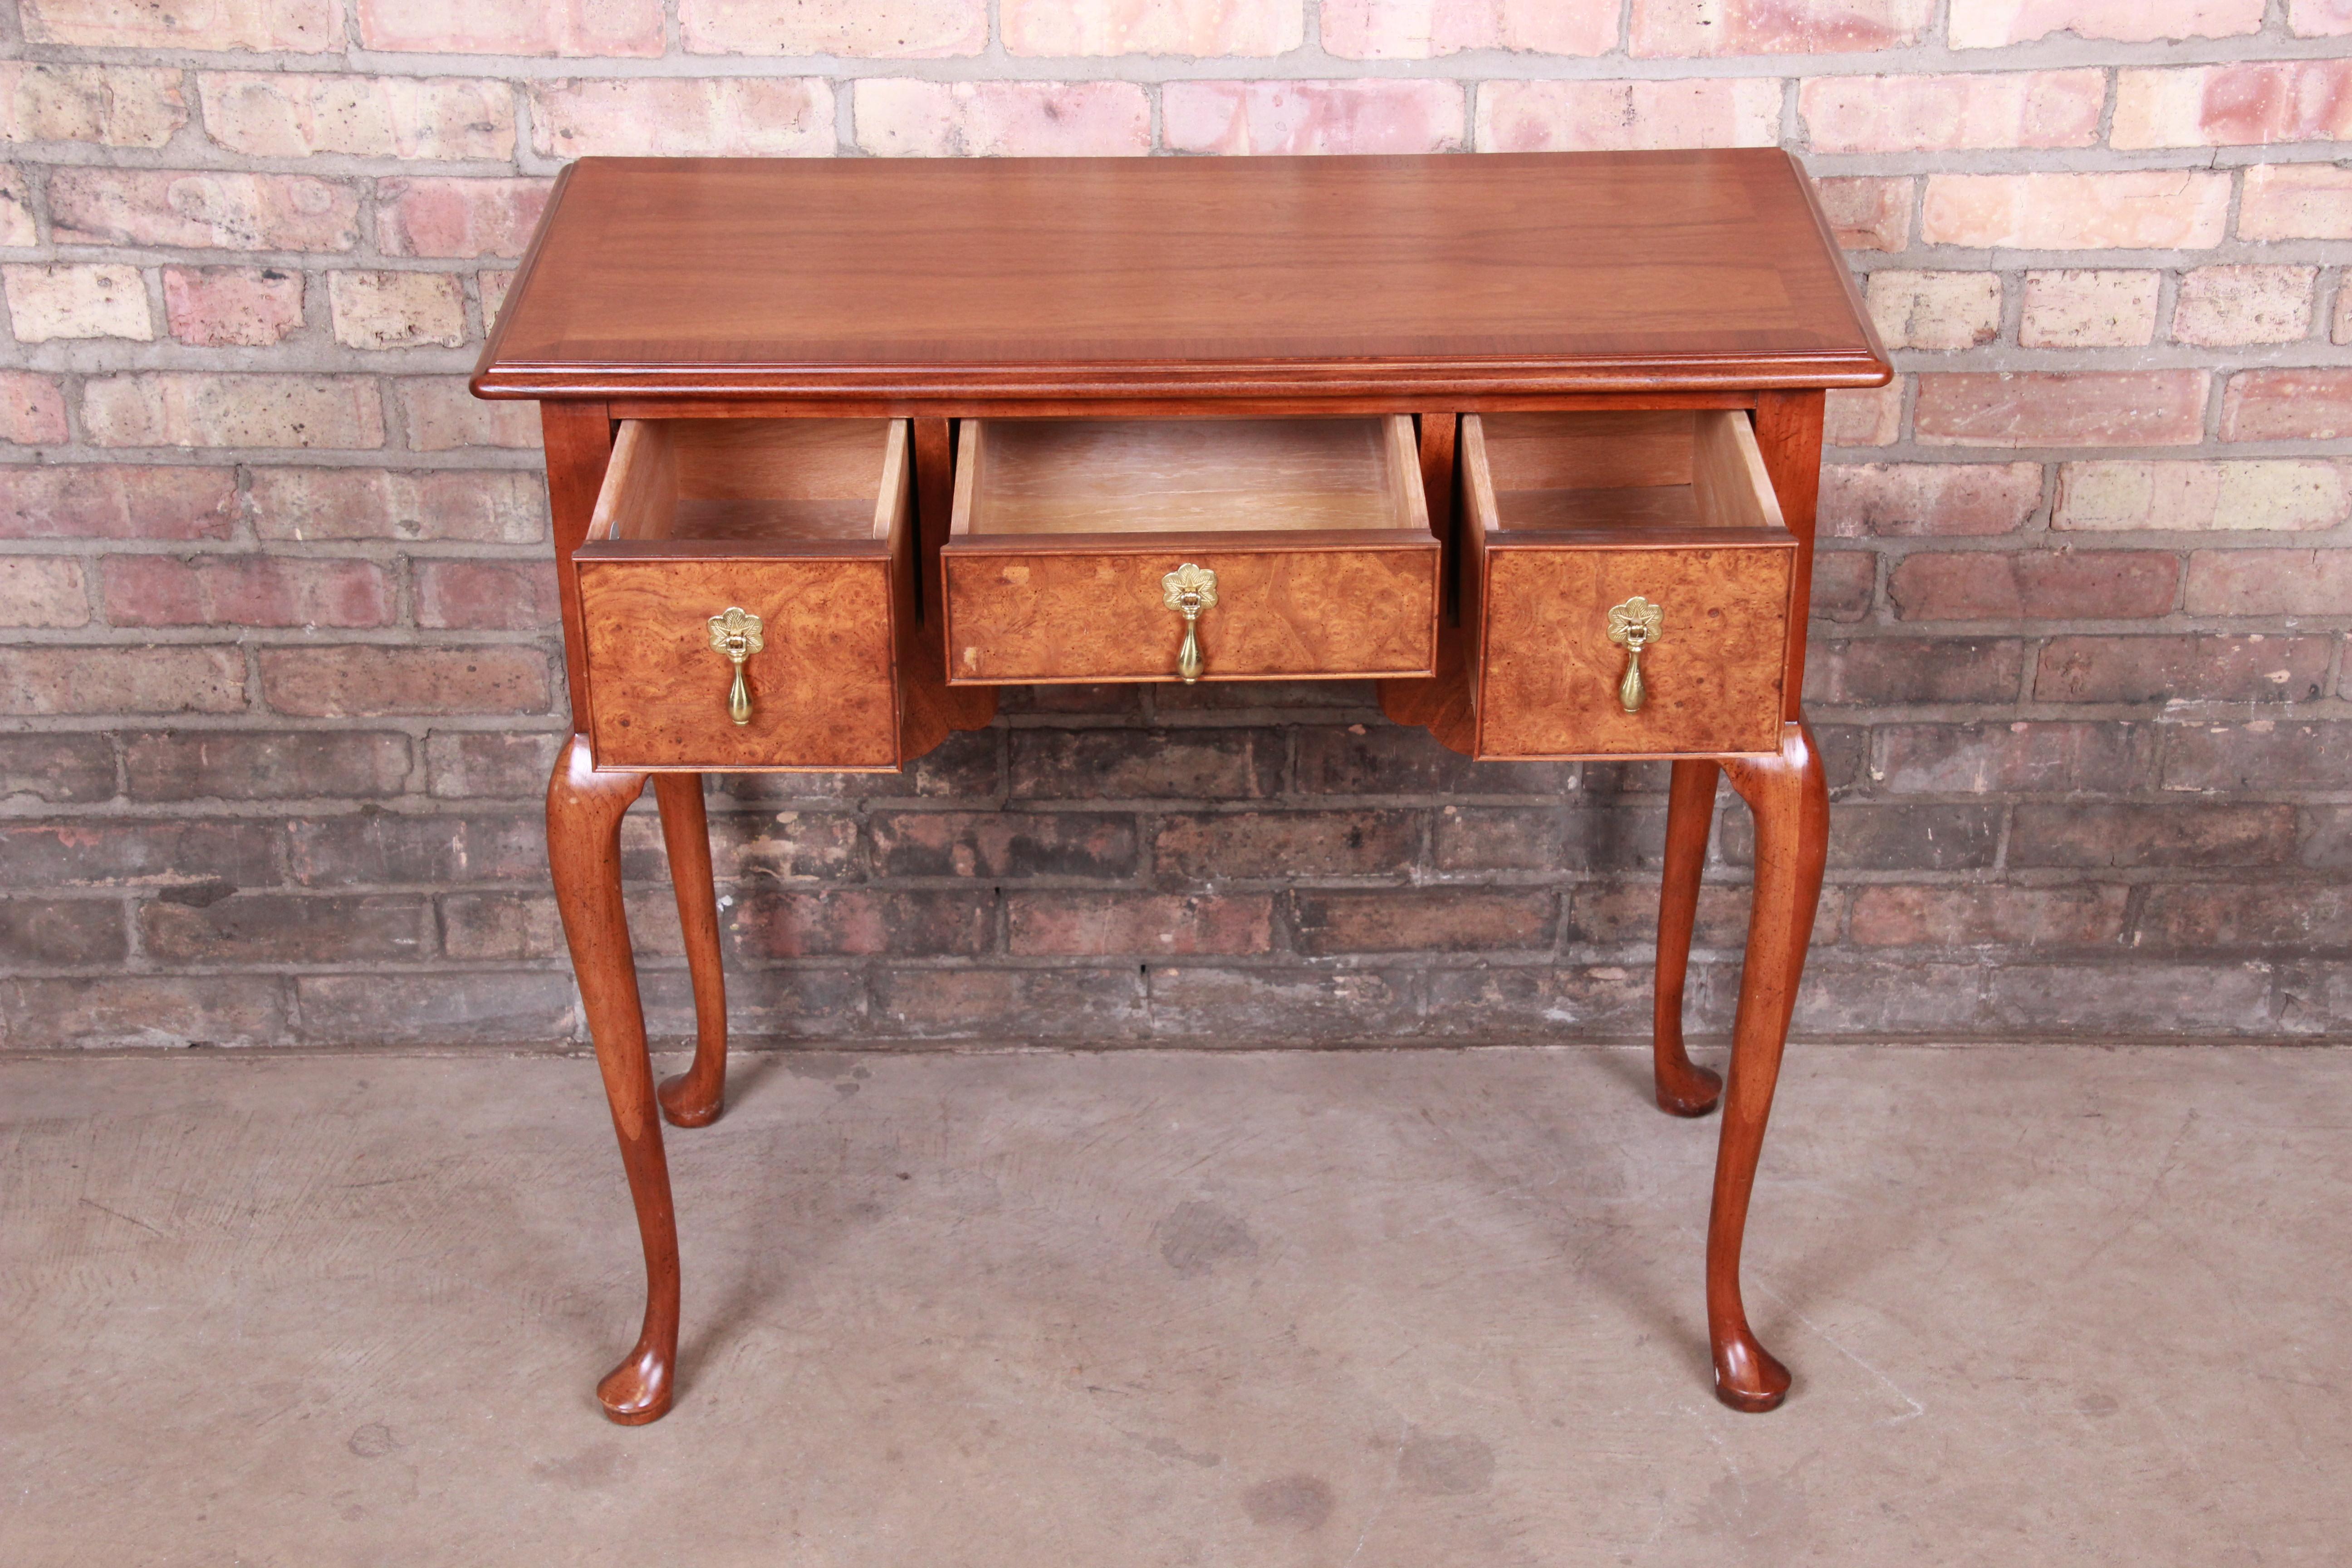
(2222, 306)
(1095, 925)
(2249, 103)
(50, 679)
(1379, 758)
(1845, 583)
(148, 1011)
(573, 27)
(1245, 1006)
(441, 417)
(1115, 764)
(1296, 117)
(2265, 755)
(60, 770)
(358, 682)
(1868, 211)
(457, 216)
(2162, 209)
(265, 764)
(487, 1006)
(2296, 200)
(245, 590)
(2319, 19)
(32, 408)
(904, 119)
(209, 209)
(1902, 499)
(1224, 844)
(2205, 666)
(131, 852)
(858, 28)
(2313, 405)
(464, 763)
(278, 927)
(487, 595)
(2077, 308)
(502, 507)
(2268, 582)
(1887, 671)
(285, 114)
(1988, 23)
(177, 408)
(116, 502)
(859, 920)
(1009, 844)
(1089, 1005)
(62, 932)
(1418, 30)
(2084, 408)
(2045, 585)
(397, 309)
(1942, 113)
(1200, 28)
(225, 306)
(673, 116)
(296, 26)
(43, 591)
(419, 848)
(1937, 311)
(780, 847)
(2130, 836)
(2282, 493)
(1512, 838)
(1897, 916)
(2205, 916)
(1424, 920)
(1559, 116)
(2040, 757)
(1863, 417)
(16, 225)
(1688, 27)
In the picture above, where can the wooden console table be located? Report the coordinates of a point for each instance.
(835, 448)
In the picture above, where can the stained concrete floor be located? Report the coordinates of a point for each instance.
(2044, 1306)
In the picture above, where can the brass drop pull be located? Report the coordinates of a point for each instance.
(736, 634)
(1635, 625)
(1188, 591)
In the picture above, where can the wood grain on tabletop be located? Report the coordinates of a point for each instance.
(1036, 276)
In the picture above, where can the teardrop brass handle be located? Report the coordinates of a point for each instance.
(1188, 591)
(737, 634)
(1635, 625)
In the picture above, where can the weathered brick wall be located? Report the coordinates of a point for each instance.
(279, 683)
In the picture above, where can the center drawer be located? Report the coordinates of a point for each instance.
(1093, 549)
(747, 597)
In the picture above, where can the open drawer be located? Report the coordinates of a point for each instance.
(747, 590)
(1626, 585)
(1212, 549)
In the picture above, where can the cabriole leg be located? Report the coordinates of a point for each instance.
(693, 1099)
(584, 845)
(1684, 1088)
(1791, 802)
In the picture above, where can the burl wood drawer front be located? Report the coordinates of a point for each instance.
(1628, 584)
(787, 541)
(1304, 544)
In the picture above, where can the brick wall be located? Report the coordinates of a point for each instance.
(280, 681)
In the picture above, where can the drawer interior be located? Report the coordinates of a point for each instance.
(753, 482)
(1186, 475)
(1617, 472)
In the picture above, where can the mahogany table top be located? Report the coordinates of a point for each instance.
(1006, 279)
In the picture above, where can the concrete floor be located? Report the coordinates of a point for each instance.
(1431, 1309)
